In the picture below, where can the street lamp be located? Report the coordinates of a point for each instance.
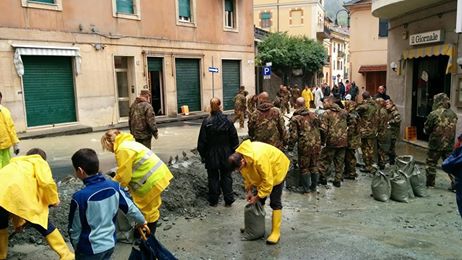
(348, 18)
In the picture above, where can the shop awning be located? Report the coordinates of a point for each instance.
(443, 49)
(39, 50)
(372, 68)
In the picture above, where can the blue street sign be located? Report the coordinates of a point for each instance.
(213, 69)
(266, 71)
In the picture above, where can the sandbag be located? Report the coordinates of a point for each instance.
(399, 187)
(406, 164)
(381, 187)
(418, 182)
(254, 221)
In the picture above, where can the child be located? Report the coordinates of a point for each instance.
(27, 190)
(93, 209)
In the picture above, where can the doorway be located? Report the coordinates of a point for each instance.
(156, 85)
(429, 79)
(123, 67)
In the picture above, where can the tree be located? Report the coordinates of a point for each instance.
(288, 53)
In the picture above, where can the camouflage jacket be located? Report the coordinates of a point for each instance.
(382, 123)
(304, 129)
(368, 114)
(394, 122)
(142, 119)
(295, 93)
(285, 96)
(267, 125)
(441, 126)
(240, 102)
(334, 128)
(354, 137)
(252, 103)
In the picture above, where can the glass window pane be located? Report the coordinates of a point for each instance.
(120, 62)
(124, 108)
(122, 84)
(125, 6)
(44, 1)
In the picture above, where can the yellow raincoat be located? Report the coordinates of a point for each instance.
(7, 130)
(27, 189)
(148, 202)
(266, 166)
(308, 96)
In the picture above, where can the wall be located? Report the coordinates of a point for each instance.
(366, 48)
(156, 34)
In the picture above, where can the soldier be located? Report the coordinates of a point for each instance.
(285, 100)
(354, 141)
(394, 123)
(441, 126)
(142, 119)
(252, 104)
(368, 113)
(334, 133)
(240, 107)
(295, 93)
(267, 124)
(304, 129)
(382, 132)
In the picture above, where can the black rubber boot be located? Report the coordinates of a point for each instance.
(306, 182)
(314, 181)
(322, 180)
(431, 180)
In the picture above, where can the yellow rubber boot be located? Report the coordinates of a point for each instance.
(3, 243)
(276, 231)
(56, 242)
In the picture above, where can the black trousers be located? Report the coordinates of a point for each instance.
(220, 180)
(275, 197)
(4, 216)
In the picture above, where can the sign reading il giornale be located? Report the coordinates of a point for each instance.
(426, 37)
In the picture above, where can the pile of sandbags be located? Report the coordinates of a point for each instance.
(404, 180)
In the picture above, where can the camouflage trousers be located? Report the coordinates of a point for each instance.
(392, 151)
(308, 163)
(146, 142)
(329, 155)
(239, 115)
(433, 157)
(381, 152)
(368, 150)
(350, 163)
(285, 107)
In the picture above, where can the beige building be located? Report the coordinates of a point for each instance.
(423, 57)
(337, 45)
(297, 17)
(84, 62)
(368, 46)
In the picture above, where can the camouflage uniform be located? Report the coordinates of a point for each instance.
(240, 108)
(142, 122)
(252, 104)
(441, 126)
(382, 136)
(394, 123)
(354, 141)
(368, 114)
(295, 93)
(284, 97)
(304, 130)
(267, 125)
(334, 133)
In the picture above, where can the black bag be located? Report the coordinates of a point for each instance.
(150, 249)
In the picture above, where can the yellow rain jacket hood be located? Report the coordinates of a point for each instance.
(266, 166)
(7, 131)
(27, 189)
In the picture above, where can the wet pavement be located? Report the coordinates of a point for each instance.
(344, 223)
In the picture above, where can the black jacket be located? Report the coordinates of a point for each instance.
(217, 141)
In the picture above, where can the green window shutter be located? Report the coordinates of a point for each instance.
(229, 6)
(184, 8)
(43, 1)
(125, 6)
(154, 64)
(231, 75)
(265, 15)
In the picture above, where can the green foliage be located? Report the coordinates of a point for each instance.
(291, 52)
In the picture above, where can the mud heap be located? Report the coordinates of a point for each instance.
(186, 196)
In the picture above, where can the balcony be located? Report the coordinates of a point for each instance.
(389, 9)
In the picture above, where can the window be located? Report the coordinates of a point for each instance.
(334, 48)
(125, 7)
(383, 27)
(128, 9)
(296, 17)
(230, 14)
(184, 10)
(55, 5)
(265, 19)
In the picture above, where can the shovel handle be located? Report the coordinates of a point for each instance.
(144, 231)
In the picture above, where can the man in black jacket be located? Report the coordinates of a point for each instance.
(217, 141)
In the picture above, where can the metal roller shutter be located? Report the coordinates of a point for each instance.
(188, 84)
(48, 90)
(231, 81)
